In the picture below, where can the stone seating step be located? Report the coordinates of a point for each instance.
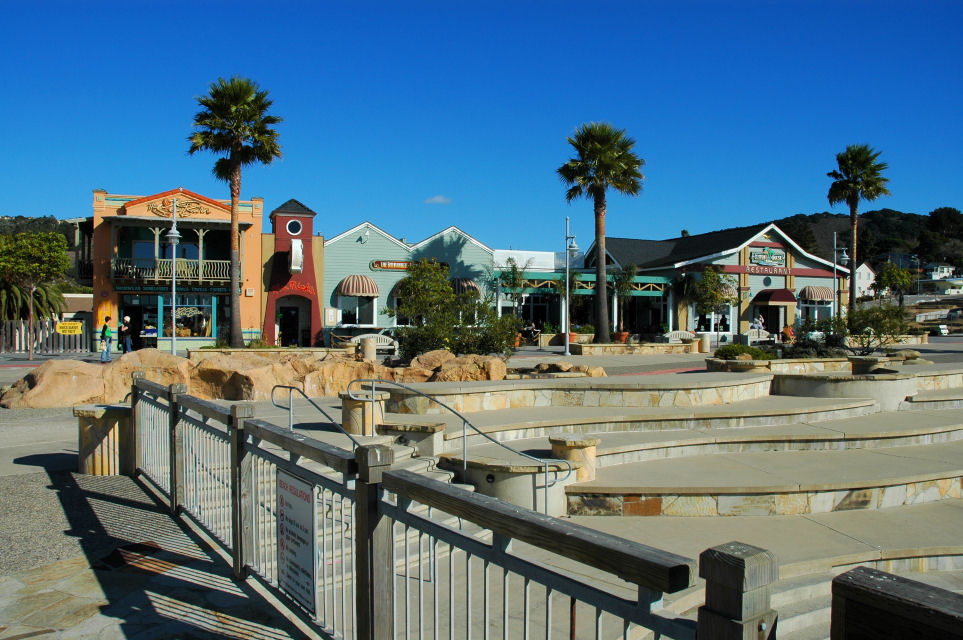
(513, 424)
(893, 429)
(774, 482)
(940, 399)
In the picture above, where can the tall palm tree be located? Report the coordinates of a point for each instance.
(859, 177)
(234, 121)
(604, 159)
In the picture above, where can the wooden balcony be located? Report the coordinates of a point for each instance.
(160, 270)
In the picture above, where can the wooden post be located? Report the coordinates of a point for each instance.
(176, 456)
(874, 604)
(240, 492)
(737, 578)
(375, 575)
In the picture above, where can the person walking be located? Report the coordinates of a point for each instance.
(123, 335)
(105, 341)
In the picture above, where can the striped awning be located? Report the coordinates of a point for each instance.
(464, 285)
(816, 293)
(357, 285)
(775, 297)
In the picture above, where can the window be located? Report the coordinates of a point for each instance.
(193, 316)
(357, 310)
(294, 227)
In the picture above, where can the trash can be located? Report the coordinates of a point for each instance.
(704, 345)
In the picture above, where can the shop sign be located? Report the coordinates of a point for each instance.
(768, 257)
(70, 328)
(395, 265)
(127, 288)
(297, 535)
(769, 271)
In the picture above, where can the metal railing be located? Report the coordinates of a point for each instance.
(290, 407)
(545, 463)
(387, 561)
(161, 269)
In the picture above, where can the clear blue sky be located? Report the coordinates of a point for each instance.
(737, 107)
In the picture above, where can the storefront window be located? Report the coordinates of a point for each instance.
(722, 319)
(193, 316)
(357, 310)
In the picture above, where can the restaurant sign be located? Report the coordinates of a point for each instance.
(394, 265)
(768, 257)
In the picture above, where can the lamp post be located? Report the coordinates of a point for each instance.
(174, 237)
(570, 250)
(843, 260)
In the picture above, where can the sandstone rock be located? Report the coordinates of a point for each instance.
(471, 367)
(157, 366)
(333, 376)
(916, 361)
(907, 354)
(542, 367)
(595, 372)
(743, 356)
(563, 366)
(432, 360)
(217, 377)
(57, 383)
(412, 374)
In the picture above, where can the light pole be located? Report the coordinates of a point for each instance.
(570, 250)
(843, 260)
(174, 237)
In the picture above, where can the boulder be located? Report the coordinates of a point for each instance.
(915, 361)
(407, 375)
(57, 383)
(543, 367)
(471, 367)
(432, 360)
(595, 372)
(333, 375)
(907, 354)
(563, 366)
(157, 366)
(217, 377)
(743, 356)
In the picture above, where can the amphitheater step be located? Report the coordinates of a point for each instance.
(941, 399)
(774, 483)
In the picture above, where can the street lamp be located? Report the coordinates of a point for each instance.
(843, 260)
(174, 237)
(571, 249)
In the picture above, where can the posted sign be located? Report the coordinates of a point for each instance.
(70, 328)
(297, 533)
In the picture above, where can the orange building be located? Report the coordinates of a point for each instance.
(127, 246)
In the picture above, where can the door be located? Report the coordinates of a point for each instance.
(289, 326)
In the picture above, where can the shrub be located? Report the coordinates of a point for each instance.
(730, 351)
(583, 328)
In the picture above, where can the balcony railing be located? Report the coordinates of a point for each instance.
(160, 270)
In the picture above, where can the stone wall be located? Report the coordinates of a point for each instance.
(642, 348)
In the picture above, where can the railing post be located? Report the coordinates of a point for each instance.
(737, 578)
(176, 455)
(240, 486)
(375, 576)
(135, 418)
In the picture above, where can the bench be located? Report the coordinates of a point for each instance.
(676, 337)
(757, 335)
(383, 342)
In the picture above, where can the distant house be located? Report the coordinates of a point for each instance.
(938, 271)
(865, 277)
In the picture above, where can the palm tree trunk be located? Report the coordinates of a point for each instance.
(601, 294)
(853, 219)
(237, 338)
(30, 325)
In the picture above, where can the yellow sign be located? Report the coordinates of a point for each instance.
(70, 328)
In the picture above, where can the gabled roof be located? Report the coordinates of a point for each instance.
(178, 191)
(678, 252)
(366, 225)
(295, 207)
(456, 230)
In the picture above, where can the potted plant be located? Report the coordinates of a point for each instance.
(622, 286)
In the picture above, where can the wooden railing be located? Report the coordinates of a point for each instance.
(160, 270)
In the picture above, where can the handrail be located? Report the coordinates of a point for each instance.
(290, 408)
(543, 462)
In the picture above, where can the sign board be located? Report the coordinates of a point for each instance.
(297, 533)
(70, 328)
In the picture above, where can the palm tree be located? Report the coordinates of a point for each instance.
(857, 178)
(234, 121)
(605, 159)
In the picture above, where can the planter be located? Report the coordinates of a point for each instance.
(621, 336)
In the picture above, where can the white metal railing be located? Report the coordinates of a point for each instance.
(204, 449)
(290, 409)
(152, 433)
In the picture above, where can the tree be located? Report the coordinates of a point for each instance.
(28, 260)
(873, 328)
(858, 177)
(513, 281)
(604, 159)
(946, 221)
(234, 121)
(713, 292)
(622, 286)
(897, 280)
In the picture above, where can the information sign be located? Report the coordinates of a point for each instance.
(70, 328)
(297, 533)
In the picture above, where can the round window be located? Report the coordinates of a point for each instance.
(294, 227)
(765, 281)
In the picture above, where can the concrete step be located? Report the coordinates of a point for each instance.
(801, 615)
(935, 400)
(774, 482)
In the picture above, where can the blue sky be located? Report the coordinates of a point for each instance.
(418, 115)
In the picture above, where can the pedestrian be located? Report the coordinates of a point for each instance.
(105, 341)
(123, 335)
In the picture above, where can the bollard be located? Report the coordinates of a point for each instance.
(369, 349)
(737, 578)
(357, 417)
(105, 440)
(579, 450)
